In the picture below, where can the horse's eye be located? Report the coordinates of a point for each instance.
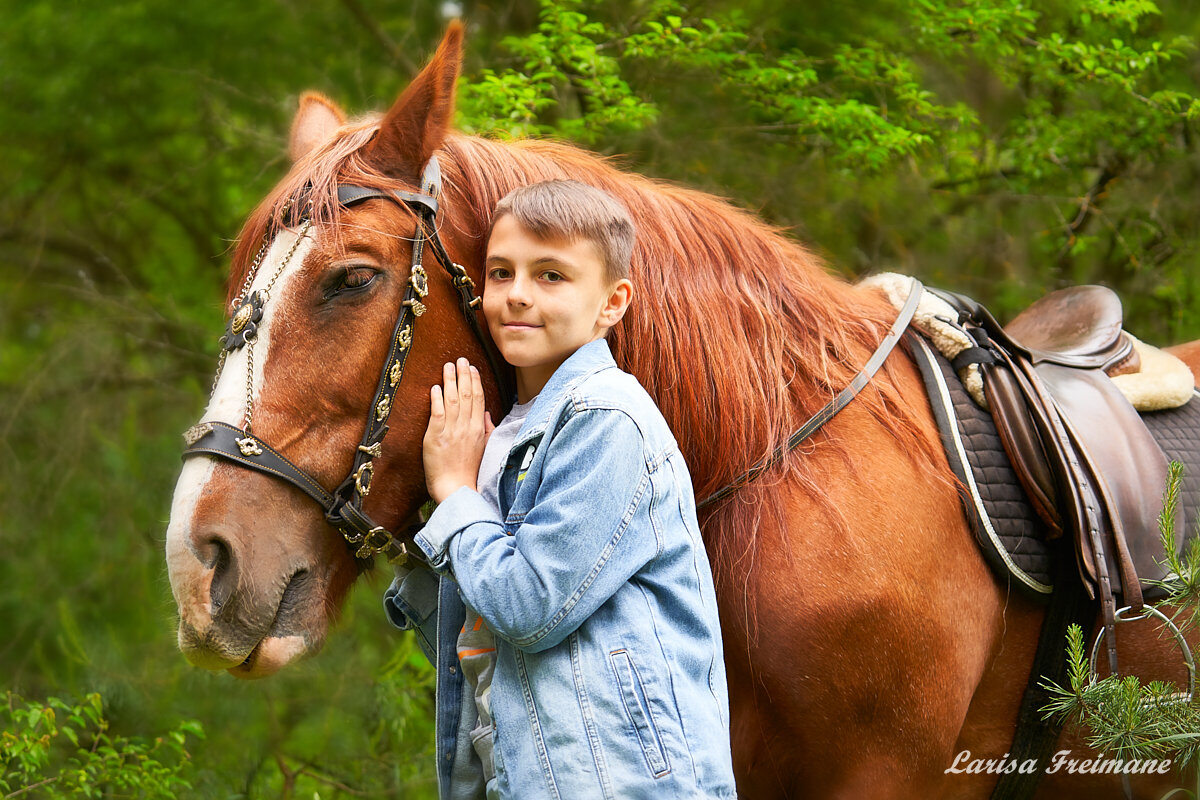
(351, 279)
(357, 278)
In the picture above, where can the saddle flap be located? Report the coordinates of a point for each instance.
(1127, 465)
(1088, 464)
(1079, 326)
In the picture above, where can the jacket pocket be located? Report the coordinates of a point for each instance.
(637, 707)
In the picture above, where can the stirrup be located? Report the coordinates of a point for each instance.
(1184, 698)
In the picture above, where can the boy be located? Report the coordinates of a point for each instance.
(589, 644)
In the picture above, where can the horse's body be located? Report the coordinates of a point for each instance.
(867, 643)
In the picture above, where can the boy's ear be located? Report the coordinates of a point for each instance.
(619, 298)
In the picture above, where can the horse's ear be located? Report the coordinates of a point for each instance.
(417, 123)
(316, 120)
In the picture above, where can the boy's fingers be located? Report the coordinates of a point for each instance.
(476, 398)
(488, 426)
(451, 391)
(437, 409)
(463, 369)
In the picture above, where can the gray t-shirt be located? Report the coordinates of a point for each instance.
(476, 644)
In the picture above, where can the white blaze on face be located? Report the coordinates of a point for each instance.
(228, 401)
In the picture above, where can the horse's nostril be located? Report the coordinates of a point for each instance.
(217, 556)
(295, 593)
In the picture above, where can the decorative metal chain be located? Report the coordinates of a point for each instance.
(244, 309)
(248, 443)
(220, 367)
(249, 384)
(252, 272)
(304, 229)
(237, 301)
(262, 251)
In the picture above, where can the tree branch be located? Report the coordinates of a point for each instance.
(32, 786)
(394, 53)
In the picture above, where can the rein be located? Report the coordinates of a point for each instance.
(830, 409)
(343, 506)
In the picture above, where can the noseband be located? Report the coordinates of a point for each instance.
(343, 507)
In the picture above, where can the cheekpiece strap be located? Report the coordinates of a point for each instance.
(346, 511)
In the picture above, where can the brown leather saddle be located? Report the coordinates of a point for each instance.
(1090, 467)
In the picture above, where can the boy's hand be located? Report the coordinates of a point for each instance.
(458, 430)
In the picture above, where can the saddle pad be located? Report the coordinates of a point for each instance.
(1177, 431)
(1010, 534)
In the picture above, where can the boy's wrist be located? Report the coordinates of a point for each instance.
(440, 490)
(464, 508)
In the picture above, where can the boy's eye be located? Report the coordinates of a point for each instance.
(552, 277)
(498, 273)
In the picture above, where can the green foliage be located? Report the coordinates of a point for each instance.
(996, 147)
(992, 146)
(864, 102)
(1182, 584)
(1121, 715)
(63, 750)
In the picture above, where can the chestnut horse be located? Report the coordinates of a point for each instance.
(867, 642)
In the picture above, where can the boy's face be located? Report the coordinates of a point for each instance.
(544, 299)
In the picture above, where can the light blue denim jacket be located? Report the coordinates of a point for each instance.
(610, 680)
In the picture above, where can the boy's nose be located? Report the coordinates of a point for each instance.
(518, 292)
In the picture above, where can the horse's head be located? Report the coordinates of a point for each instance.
(256, 569)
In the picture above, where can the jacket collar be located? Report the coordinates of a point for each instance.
(587, 360)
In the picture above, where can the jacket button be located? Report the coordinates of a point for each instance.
(453, 669)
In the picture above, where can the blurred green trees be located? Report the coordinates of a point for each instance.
(65, 751)
(996, 147)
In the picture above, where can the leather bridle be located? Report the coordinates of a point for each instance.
(343, 506)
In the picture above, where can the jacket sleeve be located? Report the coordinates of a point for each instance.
(411, 604)
(579, 543)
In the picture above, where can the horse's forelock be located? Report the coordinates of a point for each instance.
(311, 185)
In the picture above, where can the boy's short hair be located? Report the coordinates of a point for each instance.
(574, 210)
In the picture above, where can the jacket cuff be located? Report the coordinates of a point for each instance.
(458, 511)
(411, 599)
